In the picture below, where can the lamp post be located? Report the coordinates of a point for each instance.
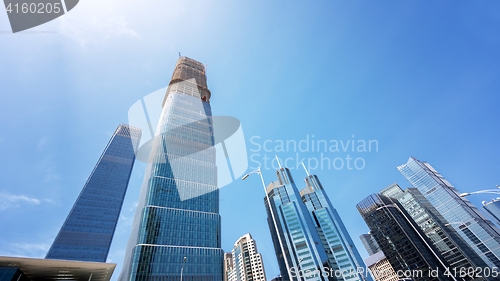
(418, 233)
(258, 171)
(182, 268)
(491, 191)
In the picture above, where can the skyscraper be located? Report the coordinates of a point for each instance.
(402, 242)
(177, 230)
(492, 208)
(297, 244)
(480, 233)
(381, 268)
(336, 240)
(370, 244)
(88, 230)
(448, 243)
(247, 262)
(313, 237)
(377, 263)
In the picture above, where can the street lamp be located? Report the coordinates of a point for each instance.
(182, 268)
(491, 191)
(418, 233)
(258, 171)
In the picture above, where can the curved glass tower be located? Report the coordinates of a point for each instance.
(87, 233)
(479, 232)
(176, 231)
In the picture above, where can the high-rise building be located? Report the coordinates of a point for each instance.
(247, 262)
(370, 244)
(381, 268)
(177, 226)
(400, 239)
(297, 244)
(480, 233)
(447, 242)
(336, 240)
(88, 230)
(377, 263)
(310, 239)
(492, 208)
(228, 267)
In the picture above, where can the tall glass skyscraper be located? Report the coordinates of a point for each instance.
(401, 240)
(88, 230)
(298, 247)
(336, 240)
(177, 226)
(448, 243)
(492, 208)
(370, 243)
(316, 244)
(480, 233)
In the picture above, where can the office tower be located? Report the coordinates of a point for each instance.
(297, 244)
(370, 244)
(247, 262)
(402, 242)
(312, 240)
(336, 240)
(380, 267)
(377, 263)
(177, 228)
(447, 242)
(88, 230)
(492, 208)
(480, 233)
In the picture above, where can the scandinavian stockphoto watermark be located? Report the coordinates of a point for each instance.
(315, 153)
(25, 14)
(188, 123)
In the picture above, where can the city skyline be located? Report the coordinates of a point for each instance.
(420, 78)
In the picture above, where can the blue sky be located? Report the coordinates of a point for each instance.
(419, 77)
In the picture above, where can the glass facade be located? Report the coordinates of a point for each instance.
(402, 242)
(176, 231)
(492, 208)
(336, 240)
(445, 239)
(370, 244)
(480, 233)
(304, 257)
(88, 230)
(11, 274)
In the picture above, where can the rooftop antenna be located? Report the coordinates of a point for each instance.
(179, 54)
(277, 159)
(305, 169)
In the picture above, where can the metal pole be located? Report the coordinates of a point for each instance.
(182, 268)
